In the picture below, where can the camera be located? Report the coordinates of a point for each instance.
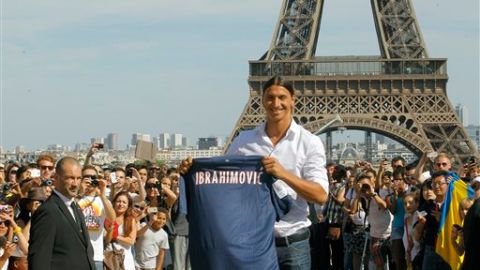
(152, 210)
(99, 145)
(129, 172)
(365, 188)
(94, 182)
(158, 185)
(47, 182)
(34, 173)
(6, 187)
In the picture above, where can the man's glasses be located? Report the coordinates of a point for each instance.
(154, 168)
(13, 171)
(437, 185)
(441, 164)
(148, 186)
(45, 167)
(139, 207)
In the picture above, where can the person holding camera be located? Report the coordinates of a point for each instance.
(378, 216)
(96, 208)
(395, 204)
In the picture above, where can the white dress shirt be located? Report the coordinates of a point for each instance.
(301, 153)
(67, 202)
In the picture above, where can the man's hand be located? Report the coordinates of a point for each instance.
(184, 167)
(102, 186)
(273, 167)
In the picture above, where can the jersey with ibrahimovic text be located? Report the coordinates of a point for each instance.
(232, 209)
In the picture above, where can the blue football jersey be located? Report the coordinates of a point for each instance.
(231, 209)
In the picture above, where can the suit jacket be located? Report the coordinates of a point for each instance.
(56, 240)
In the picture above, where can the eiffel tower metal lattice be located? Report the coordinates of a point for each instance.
(400, 94)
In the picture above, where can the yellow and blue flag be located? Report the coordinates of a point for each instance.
(457, 191)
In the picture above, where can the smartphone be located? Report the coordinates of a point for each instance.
(422, 214)
(113, 178)
(34, 173)
(152, 210)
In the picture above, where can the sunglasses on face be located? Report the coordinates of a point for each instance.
(139, 207)
(45, 167)
(4, 222)
(13, 172)
(148, 186)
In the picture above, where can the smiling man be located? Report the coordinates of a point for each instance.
(296, 158)
(58, 236)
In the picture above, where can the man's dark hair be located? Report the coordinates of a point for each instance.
(339, 173)
(436, 174)
(397, 158)
(277, 80)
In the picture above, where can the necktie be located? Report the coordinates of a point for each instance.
(74, 207)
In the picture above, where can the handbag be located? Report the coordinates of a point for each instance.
(113, 259)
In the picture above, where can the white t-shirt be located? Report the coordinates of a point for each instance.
(5, 266)
(94, 212)
(380, 220)
(299, 152)
(148, 246)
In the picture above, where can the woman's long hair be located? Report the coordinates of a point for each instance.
(128, 215)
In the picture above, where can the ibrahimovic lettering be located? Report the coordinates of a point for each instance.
(213, 177)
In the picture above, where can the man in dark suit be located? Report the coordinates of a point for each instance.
(58, 236)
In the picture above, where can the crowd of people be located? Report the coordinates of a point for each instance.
(385, 218)
(389, 217)
(133, 207)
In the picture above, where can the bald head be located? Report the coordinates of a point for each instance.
(64, 162)
(68, 176)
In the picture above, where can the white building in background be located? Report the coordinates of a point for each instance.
(176, 141)
(462, 113)
(164, 140)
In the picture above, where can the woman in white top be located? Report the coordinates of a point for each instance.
(124, 230)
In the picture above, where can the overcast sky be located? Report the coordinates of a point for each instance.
(72, 70)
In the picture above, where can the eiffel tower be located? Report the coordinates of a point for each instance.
(400, 94)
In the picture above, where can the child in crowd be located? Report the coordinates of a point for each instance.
(412, 246)
(152, 242)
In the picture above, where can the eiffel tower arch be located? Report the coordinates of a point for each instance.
(402, 93)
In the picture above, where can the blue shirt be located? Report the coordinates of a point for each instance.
(232, 210)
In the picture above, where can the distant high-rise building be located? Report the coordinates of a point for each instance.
(139, 136)
(207, 143)
(112, 141)
(462, 113)
(156, 141)
(19, 149)
(176, 140)
(164, 140)
(184, 141)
